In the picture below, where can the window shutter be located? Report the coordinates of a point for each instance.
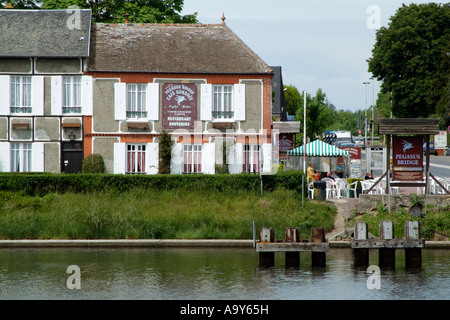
(206, 102)
(236, 158)
(37, 156)
(239, 102)
(120, 98)
(37, 95)
(119, 158)
(87, 97)
(56, 95)
(176, 162)
(152, 100)
(5, 95)
(209, 158)
(152, 158)
(267, 158)
(5, 160)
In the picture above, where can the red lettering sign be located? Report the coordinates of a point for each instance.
(179, 105)
(286, 142)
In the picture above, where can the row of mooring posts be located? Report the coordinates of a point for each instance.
(292, 246)
(387, 244)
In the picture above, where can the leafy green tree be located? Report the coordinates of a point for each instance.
(146, 11)
(293, 99)
(319, 114)
(407, 57)
(21, 4)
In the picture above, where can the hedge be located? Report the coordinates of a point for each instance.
(41, 184)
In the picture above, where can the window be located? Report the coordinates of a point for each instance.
(251, 158)
(223, 102)
(136, 101)
(71, 95)
(20, 94)
(135, 159)
(192, 156)
(20, 157)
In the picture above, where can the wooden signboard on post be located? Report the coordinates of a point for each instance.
(422, 128)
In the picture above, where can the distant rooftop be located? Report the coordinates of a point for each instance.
(173, 48)
(44, 33)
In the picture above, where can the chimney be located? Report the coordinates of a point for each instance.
(126, 17)
(9, 6)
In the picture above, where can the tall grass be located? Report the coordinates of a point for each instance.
(157, 214)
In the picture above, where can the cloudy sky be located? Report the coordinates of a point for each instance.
(319, 44)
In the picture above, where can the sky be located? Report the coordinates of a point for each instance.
(319, 44)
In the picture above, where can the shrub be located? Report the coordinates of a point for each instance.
(93, 164)
(42, 184)
(165, 152)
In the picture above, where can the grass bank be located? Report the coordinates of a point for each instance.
(158, 214)
(434, 226)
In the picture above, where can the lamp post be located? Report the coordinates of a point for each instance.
(373, 105)
(365, 116)
(365, 129)
(304, 130)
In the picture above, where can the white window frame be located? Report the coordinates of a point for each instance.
(21, 95)
(136, 104)
(250, 164)
(136, 157)
(192, 159)
(21, 157)
(222, 106)
(71, 94)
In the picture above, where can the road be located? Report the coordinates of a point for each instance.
(440, 166)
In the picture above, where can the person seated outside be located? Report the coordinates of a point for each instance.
(329, 176)
(334, 175)
(368, 176)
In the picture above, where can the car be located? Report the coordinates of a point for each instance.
(432, 150)
(347, 145)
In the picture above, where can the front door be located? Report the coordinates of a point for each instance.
(72, 157)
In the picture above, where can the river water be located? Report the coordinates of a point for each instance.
(211, 274)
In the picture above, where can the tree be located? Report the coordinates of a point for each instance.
(293, 99)
(113, 11)
(407, 57)
(319, 114)
(21, 4)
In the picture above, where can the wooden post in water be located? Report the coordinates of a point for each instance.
(361, 255)
(292, 259)
(318, 259)
(413, 256)
(266, 259)
(386, 255)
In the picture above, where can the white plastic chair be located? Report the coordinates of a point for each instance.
(352, 187)
(341, 188)
(366, 185)
(311, 190)
(331, 191)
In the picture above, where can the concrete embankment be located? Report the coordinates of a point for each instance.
(165, 243)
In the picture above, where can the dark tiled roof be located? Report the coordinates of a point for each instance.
(44, 33)
(163, 48)
(279, 103)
